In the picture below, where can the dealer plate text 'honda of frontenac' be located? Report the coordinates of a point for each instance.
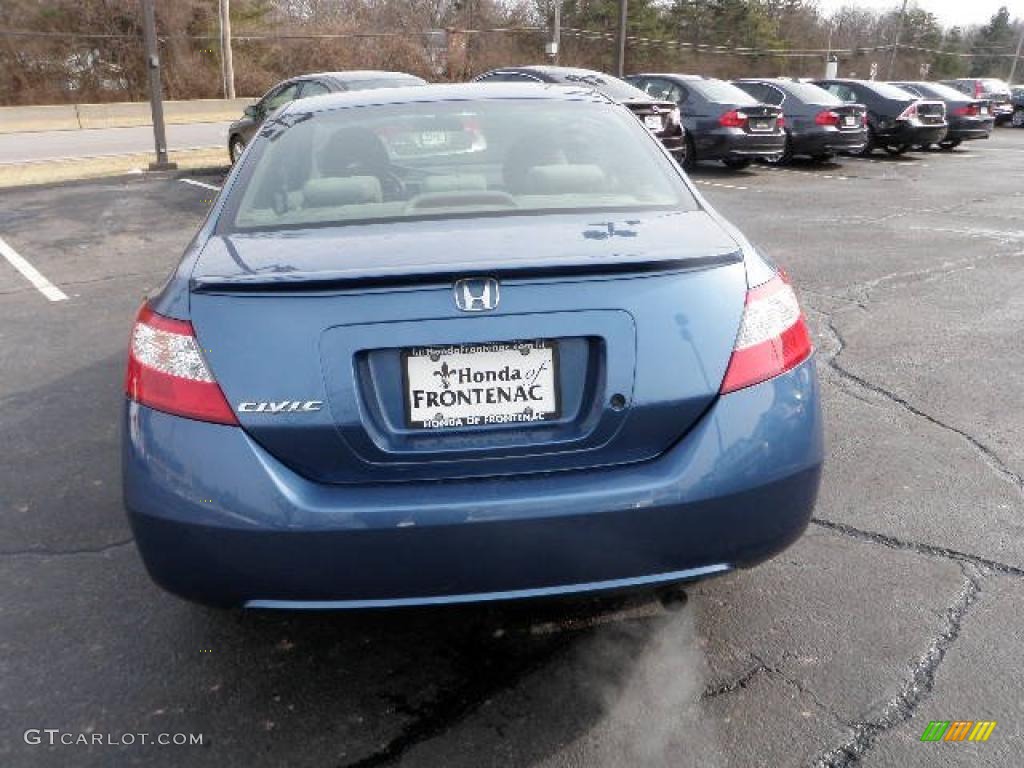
(459, 343)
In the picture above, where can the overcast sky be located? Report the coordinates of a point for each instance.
(949, 12)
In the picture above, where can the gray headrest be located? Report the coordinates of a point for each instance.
(565, 179)
(346, 190)
(455, 182)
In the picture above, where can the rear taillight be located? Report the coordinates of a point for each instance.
(781, 121)
(978, 90)
(864, 118)
(167, 372)
(908, 113)
(969, 110)
(773, 336)
(827, 117)
(732, 119)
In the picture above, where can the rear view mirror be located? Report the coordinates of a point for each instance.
(250, 111)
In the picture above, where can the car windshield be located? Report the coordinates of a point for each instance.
(383, 82)
(612, 87)
(721, 92)
(439, 159)
(810, 94)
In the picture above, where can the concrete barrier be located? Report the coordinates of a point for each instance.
(65, 117)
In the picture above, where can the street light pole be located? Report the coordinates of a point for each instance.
(1016, 56)
(896, 44)
(225, 48)
(620, 67)
(156, 103)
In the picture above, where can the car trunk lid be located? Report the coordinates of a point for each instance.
(637, 315)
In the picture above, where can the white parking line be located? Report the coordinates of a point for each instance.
(202, 184)
(33, 275)
(717, 184)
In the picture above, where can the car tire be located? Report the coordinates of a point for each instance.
(1017, 118)
(736, 163)
(235, 148)
(689, 155)
(949, 145)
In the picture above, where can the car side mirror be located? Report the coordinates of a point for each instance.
(251, 111)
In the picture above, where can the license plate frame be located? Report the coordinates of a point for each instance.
(761, 124)
(419, 369)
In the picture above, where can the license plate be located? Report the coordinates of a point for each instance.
(760, 125)
(983, 111)
(478, 385)
(433, 138)
(653, 122)
(849, 121)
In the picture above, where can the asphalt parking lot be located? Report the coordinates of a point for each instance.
(901, 604)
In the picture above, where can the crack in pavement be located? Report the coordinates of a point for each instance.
(66, 552)
(916, 688)
(989, 456)
(454, 706)
(923, 549)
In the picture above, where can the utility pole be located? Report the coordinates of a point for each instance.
(1016, 56)
(556, 33)
(896, 44)
(620, 66)
(156, 103)
(227, 64)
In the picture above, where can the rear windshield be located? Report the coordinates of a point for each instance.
(992, 86)
(809, 93)
(383, 82)
(887, 91)
(937, 91)
(612, 87)
(455, 158)
(721, 92)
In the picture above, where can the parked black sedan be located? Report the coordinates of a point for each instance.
(242, 130)
(968, 118)
(659, 115)
(897, 119)
(818, 125)
(722, 122)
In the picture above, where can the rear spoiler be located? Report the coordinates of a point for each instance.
(280, 281)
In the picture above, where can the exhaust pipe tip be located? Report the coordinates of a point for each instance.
(673, 598)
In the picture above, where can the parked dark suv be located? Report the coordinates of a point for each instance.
(722, 122)
(988, 88)
(897, 119)
(818, 125)
(242, 130)
(968, 118)
(659, 115)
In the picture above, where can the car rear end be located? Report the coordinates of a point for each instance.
(745, 132)
(969, 120)
(445, 400)
(913, 122)
(833, 129)
(662, 119)
(998, 94)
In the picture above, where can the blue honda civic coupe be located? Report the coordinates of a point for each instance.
(463, 343)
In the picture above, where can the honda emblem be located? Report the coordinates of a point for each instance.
(476, 294)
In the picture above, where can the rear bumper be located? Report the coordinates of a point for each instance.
(727, 143)
(828, 141)
(911, 133)
(218, 520)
